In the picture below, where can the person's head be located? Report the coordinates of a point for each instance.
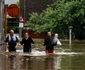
(56, 35)
(26, 35)
(49, 33)
(11, 32)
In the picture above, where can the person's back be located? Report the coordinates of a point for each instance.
(48, 43)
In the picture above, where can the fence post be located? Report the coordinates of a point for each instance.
(70, 34)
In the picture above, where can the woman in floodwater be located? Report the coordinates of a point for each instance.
(27, 43)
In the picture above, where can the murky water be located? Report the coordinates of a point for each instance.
(64, 58)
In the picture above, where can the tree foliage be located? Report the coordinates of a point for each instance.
(61, 14)
(18, 3)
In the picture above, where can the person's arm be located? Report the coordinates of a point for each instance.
(58, 42)
(6, 44)
(22, 42)
(17, 42)
(31, 40)
(44, 42)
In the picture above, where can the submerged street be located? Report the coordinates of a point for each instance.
(64, 58)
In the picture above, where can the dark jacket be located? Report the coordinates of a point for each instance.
(27, 43)
(48, 43)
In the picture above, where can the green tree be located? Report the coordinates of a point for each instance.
(60, 15)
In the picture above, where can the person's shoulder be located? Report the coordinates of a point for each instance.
(23, 38)
(7, 37)
(17, 36)
(46, 37)
(29, 38)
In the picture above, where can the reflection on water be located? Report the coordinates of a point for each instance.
(26, 63)
(11, 63)
(62, 59)
(49, 63)
(19, 63)
(57, 62)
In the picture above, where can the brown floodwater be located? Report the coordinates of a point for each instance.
(65, 57)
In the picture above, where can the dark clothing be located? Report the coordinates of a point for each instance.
(27, 44)
(12, 49)
(27, 50)
(48, 43)
(12, 43)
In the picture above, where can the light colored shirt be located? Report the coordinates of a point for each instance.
(58, 41)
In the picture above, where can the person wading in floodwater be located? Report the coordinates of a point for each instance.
(56, 40)
(11, 42)
(48, 43)
(27, 43)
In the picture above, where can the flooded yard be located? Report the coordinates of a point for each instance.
(65, 57)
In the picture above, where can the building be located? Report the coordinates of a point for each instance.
(29, 6)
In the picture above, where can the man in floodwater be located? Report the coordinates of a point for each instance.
(11, 42)
(48, 43)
